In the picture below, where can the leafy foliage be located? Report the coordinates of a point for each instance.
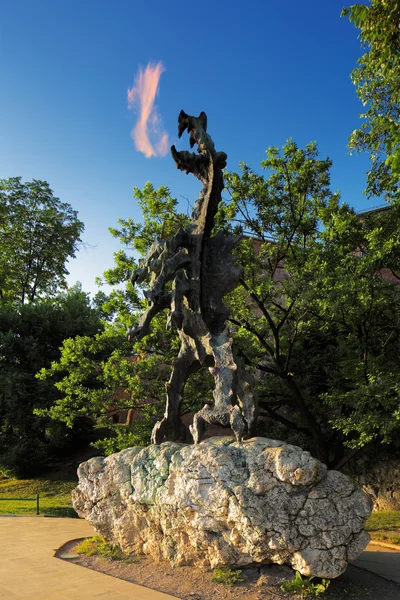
(105, 373)
(38, 233)
(98, 546)
(376, 80)
(30, 337)
(101, 374)
(227, 576)
(314, 316)
(160, 219)
(306, 586)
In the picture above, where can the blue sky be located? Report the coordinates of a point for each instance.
(263, 71)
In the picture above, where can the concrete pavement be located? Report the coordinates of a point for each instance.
(29, 571)
(381, 561)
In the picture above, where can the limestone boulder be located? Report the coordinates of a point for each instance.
(223, 502)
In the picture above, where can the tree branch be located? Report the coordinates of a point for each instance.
(277, 417)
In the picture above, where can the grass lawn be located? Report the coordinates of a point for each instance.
(55, 497)
(384, 526)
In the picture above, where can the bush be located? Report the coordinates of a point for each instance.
(23, 460)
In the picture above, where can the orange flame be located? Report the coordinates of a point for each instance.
(142, 96)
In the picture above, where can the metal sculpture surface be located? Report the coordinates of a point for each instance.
(202, 272)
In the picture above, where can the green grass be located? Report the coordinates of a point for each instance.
(227, 576)
(98, 546)
(306, 586)
(384, 526)
(55, 497)
(389, 538)
(383, 521)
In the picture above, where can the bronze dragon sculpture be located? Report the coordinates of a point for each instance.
(202, 270)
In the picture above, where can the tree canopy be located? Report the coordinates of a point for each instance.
(30, 338)
(117, 374)
(314, 319)
(376, 80)
(323, 325)
(38, 234)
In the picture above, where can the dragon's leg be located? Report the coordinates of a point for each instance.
(247, 397)
(234, 404)
(171, 426)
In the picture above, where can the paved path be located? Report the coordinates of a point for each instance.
(381, 561)
(29, 571)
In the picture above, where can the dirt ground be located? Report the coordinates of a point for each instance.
(260, 583)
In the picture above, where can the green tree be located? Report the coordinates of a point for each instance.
(30, 338)
(100, 374)
(376, 79)
(38, 234)
(160, 220)
(314, 319)
(314, 314)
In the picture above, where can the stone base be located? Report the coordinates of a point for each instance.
(223, 503)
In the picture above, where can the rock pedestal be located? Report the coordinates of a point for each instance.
(222, 502)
